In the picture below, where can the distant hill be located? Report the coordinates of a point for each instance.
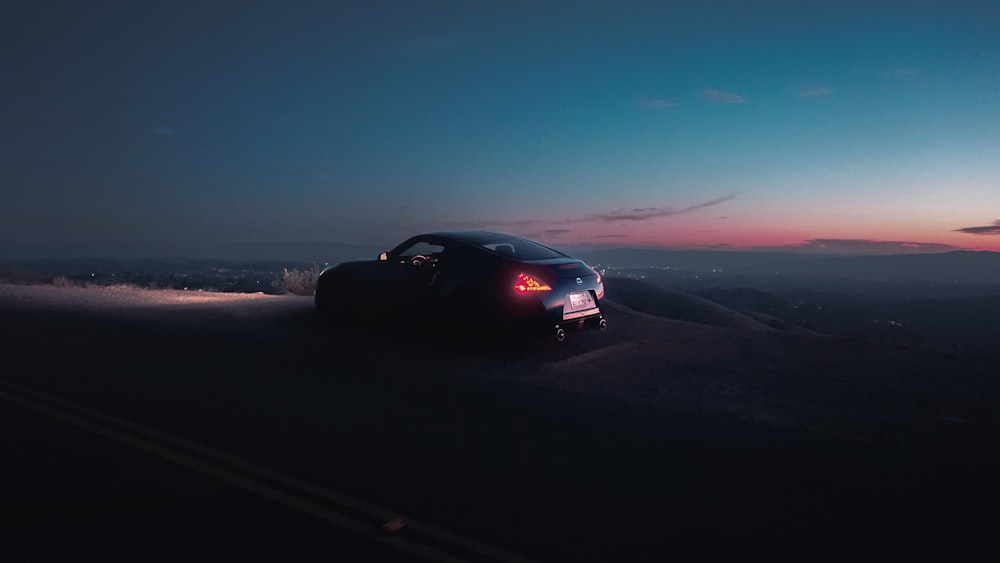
(695, 260)
(653, 299)
(330, 252)
(956, 266)
(16, 274)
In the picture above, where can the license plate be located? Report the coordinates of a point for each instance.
(579, 304)
(580, 300)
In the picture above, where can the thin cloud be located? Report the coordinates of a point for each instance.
(554, 232)
(656, 103)
(163, 131)
(713, 95)
(993, 229)
(901, 72)
(631, 215)
(544, 234)
(647, 213)
(815, 92)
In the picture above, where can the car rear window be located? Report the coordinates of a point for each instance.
(522, 250)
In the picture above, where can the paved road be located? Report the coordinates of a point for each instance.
(412, 425)
(72, 494)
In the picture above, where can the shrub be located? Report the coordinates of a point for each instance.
(297, 282)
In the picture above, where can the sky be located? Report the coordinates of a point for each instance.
(824, 126)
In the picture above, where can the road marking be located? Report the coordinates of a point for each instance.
(356, 515)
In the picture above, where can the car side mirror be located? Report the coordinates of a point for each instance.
(383, 257)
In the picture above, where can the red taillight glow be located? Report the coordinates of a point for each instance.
(600, 285)
(525, 283)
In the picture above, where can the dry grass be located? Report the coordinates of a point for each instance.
(63, 281)
(297, 282)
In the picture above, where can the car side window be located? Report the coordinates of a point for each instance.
(421, 255)
(421, 248)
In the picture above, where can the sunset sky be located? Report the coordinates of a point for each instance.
(860, 126)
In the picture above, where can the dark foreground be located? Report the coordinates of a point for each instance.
(461, 439)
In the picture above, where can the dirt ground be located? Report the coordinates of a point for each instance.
(654, 440)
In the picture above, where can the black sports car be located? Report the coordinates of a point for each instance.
(467, 280)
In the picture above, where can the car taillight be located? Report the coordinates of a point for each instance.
(525, 284)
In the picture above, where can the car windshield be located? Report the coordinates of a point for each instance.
(522, 249)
